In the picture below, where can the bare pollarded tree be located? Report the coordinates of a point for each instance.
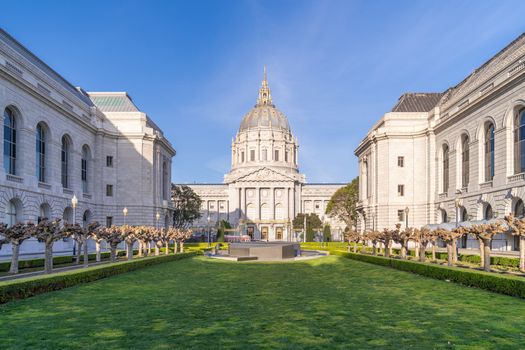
(485, 233)
(374, 237)
(181, 236)
(80, 236)
(113, 236)
(93, 230)
(402, 237)
(423, 237)
(517, 228)
(130, 236)
(48, 232)
(353, 236)
(449, 237)
(15, 235)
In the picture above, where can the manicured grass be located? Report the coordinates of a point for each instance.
(326, 303)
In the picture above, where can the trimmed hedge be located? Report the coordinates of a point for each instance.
(28, 287)
(509, 285)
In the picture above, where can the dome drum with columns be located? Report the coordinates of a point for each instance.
(264, 189)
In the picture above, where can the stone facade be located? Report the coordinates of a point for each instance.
(97, 146)
(264, 190)
(463, 152)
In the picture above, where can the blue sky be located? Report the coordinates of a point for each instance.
(195, 67)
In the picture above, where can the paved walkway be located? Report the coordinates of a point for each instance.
(42, 272)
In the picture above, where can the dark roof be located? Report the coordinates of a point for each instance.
(417, 102)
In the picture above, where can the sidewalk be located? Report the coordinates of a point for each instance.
(55, 270)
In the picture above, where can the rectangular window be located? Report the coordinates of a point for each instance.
(401, 215)
(401, 190)
(109, 161)
(264, 155)
(109, 221)
(401, 162)
(109, 190)
(242, 157)
(252, 155)
(276, 155)
(286, 156)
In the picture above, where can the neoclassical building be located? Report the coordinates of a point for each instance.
(457, 155)
(60, 142)
(264, 190)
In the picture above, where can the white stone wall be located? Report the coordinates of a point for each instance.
(37, 94)
(495, 93)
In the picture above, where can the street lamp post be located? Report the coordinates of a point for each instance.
(74, 202)
(125, 212)
(304, 228)
(209, 231)
(406, 216)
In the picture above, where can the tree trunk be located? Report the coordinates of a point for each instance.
(146, 250)
(433, 251)
(182, 247)
(167, 247)
(97, 249)
(175, 247)
(454, 251)
(449, 254)
(522, 253)
(387, 249)
(79, 252)
(355, 247)
(140, 249)
(157, 251)
(403, 251)
(130, 250)
(481, 255)
(86, 255)
(379, 248)
(113, 253)
(149, 248)
(486, 254)
(373, 248)
(422, 256)
(417, 248)
(48, 262)
(14, 258)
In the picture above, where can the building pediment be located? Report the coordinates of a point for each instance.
(263, 174)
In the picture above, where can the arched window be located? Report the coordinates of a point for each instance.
(489, 152)
(86, 218)
(164, 180)
(45, 212)
(84, 169)
(465, 164)
(279, 212)
(463, 214)
(519, 142)
(66, 145)
(444, 216)
(488, 214)
(67, 217)
(265, 212)
(519, 209)
(445, 168)
(250, 211)
(9, 142)
(11, 213)
(41, 152)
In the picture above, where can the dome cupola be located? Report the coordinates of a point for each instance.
(264, 114)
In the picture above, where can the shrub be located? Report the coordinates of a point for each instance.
(509, 285)
(27, 287)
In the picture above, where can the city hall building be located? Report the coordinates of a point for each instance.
(60, 141)
(457, 155)
(264, 190)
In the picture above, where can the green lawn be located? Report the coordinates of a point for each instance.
(327, 303)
